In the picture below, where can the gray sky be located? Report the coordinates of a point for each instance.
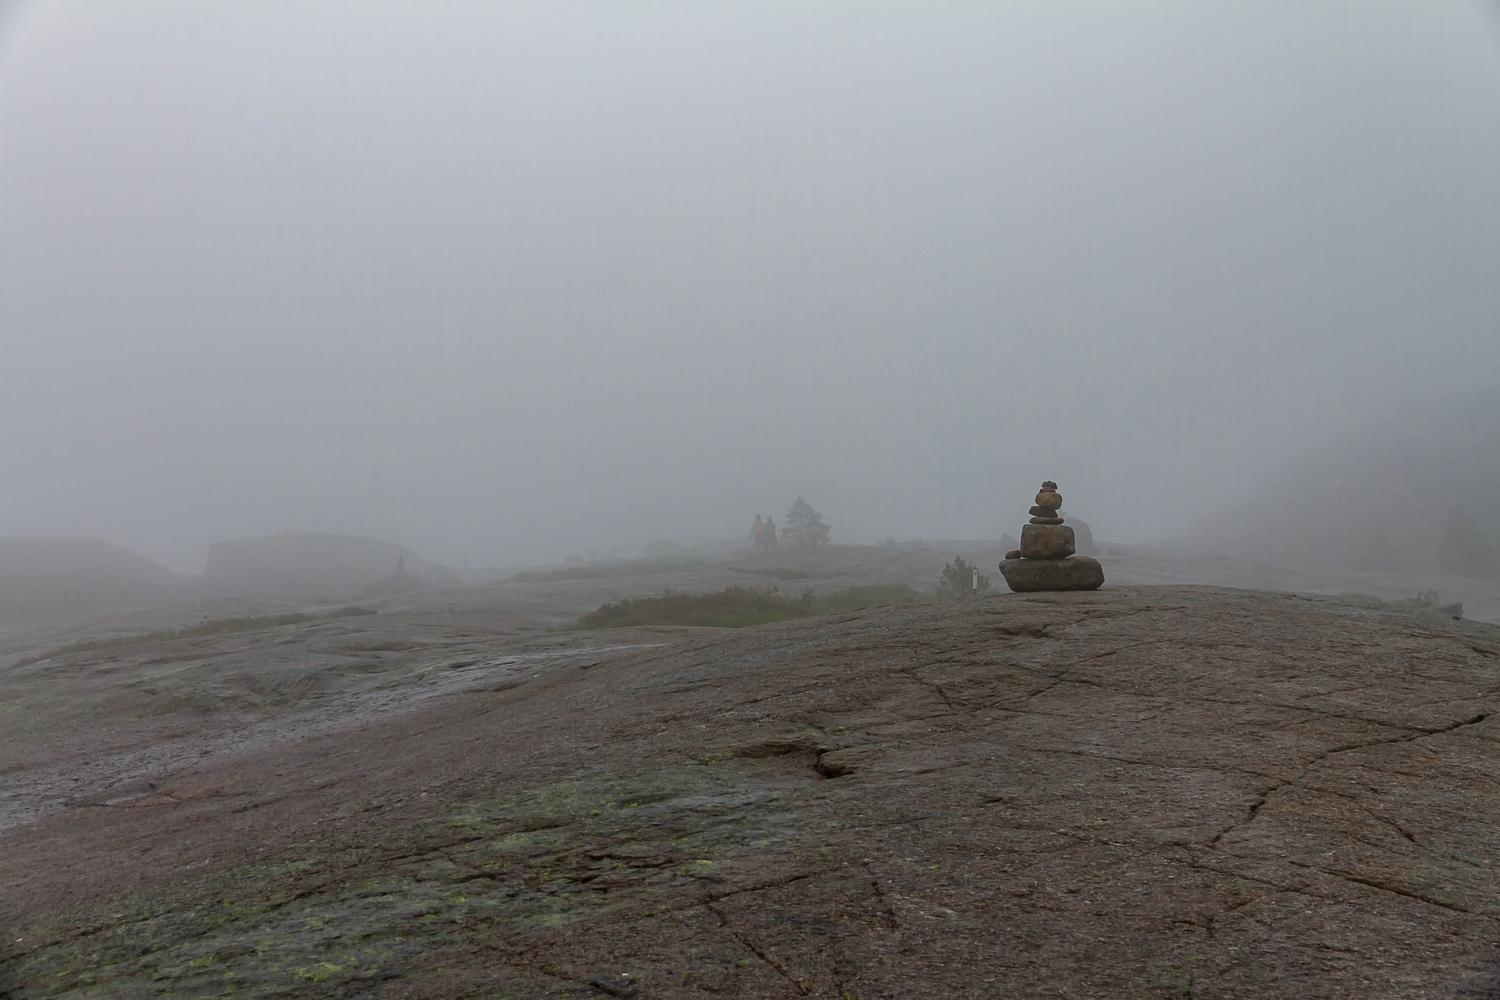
(512, 280)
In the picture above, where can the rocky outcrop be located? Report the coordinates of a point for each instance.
(1083, 535)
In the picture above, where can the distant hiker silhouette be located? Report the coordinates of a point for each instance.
(757, 530)
(770, 534)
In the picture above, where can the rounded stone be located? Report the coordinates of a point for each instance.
(1013, 554)
(1044, 512)
(1046, 541)
(1046, 520)
(1030, 575)
(1047, 498)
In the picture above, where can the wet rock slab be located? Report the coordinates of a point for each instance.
(1126, 793)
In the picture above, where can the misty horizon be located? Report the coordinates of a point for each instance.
(501, 283)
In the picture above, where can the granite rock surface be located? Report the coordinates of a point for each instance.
(1137, 792)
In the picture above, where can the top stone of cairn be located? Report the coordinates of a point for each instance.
(1047, 503)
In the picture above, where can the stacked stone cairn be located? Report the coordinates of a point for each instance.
(1045, 560)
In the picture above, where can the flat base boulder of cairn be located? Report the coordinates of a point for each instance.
(1075, 573)
(1046, 541)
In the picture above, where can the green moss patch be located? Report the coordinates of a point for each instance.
(342, 918)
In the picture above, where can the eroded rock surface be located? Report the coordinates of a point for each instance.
(1133, 792)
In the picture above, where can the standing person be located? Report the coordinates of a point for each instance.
(770, 530)
(757, 534)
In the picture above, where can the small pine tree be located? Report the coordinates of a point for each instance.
(804, 525)
(957, 580)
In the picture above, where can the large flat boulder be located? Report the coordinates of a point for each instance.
(1073, 573)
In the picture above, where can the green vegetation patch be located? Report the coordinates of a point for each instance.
(207, 627)
(733, 607)
(627, 567)
(736, 607)
(875, 596)
(340, 918)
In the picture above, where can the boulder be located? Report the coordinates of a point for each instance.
(1075, 573)
(1083, 536)
(1046, 541)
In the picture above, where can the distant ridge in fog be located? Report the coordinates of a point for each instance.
(62, 577)
(42, 578)
(310, 564)
(1379, 500)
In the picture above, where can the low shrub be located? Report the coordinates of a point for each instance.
(961, 579)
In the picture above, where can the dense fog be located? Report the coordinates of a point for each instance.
(499, 282)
